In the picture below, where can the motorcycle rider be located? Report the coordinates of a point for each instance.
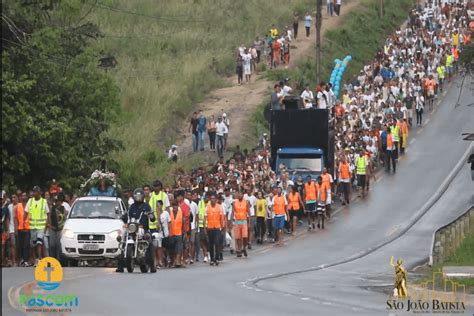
(135, 211)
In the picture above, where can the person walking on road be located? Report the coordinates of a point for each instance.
(215, 223)
(23, 223)
(390, 152)
(239, 70)
(307, 23)
(38, 213)
(193, 129)
(241, 215)
(324, 191)
(295, 203)
(420, 105)
(203, 240)
(247, 62)
(177, 229)
(327, 178)
(280, 208)
(361, 171)
(345, 180)
(260, 213)
(310, 192)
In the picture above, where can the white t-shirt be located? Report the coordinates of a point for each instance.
(286, 90)
(130, 201)
(307, 95)
(252, 201)
(165, 219)
(246, 58)
(66, 206)
(11, 210)
(193, 209)
(221, 129)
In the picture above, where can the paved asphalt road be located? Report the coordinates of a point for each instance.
(352, 288)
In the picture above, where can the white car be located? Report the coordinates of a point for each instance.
(91, 229)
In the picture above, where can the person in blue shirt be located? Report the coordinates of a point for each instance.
(202, 123)
(383, 141)
(102, 189)
(142, 212)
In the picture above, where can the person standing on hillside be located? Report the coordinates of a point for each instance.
(330, 6)
(296, 20)
(307, 23)
(337, 7)
(258, 45)
(211, 131)
(193, 129)
(239, 70)
(226, 121)
(276, 53)
(221, 128)
(247, 62)
(202, 125)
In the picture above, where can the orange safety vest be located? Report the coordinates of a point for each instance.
(404, 128)
(176, 222)
(455, 52)
(310, 191)
(279, 205)
(294, 201)
(344, 168)
(20, 215)
(214, 216)
(389, 141)
(240, 210)
(322, 189)
(430, 85)
(467, 39)
(326, 178)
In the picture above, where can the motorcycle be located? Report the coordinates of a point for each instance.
(134, 245)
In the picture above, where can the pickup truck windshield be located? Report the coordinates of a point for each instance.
(301, 162)
(94, 209)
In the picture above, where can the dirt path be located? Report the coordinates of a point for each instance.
(240, 102)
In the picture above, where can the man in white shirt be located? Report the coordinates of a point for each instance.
(307, 97)
(247, 64)
(221, 129)
(286, 90)
(250, 197)
(194, 210)
(37, 234)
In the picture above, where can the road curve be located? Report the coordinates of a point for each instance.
(346, 289)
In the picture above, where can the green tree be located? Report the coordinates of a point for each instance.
(56, 99)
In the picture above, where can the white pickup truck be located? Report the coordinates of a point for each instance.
(91, 229)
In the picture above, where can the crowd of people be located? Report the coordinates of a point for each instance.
(240, 202)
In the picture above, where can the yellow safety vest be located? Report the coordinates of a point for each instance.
(441, 71)
(37, 213)
(202, 213)
(361, 167)
(154, 198)
(449, 60)
(395, 131)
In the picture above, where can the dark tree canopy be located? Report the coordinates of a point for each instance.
(56, 100)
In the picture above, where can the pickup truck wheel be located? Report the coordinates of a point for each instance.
(129, 262)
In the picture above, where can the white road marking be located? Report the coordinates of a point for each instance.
(412, 140)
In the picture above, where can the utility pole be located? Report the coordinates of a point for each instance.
(318, 40)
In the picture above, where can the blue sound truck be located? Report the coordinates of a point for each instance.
(301, 139)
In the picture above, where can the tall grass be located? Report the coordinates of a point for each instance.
(169, 63)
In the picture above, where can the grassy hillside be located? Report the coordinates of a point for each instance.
(170, 54)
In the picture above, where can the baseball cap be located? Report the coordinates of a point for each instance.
(36, 189)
